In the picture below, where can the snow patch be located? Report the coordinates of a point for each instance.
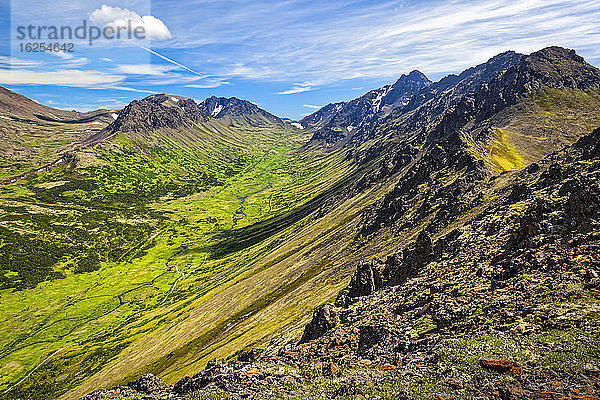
(350, 128)
(377, 101)
(175, 99)
(297, 125)
(8, 118)
(217, 110)
(96, 123)
(114, 115)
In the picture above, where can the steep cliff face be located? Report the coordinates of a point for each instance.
(236, 111)
(492, 232)
(499, 116)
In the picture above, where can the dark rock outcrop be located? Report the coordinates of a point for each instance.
(156, 112)
(366, 279)
(337, 121)
(324, 318)
(402, 265)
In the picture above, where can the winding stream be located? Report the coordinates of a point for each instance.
(238, 215)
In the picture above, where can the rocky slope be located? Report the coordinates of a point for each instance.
(16, 107)
(233, 110)
(34, 136)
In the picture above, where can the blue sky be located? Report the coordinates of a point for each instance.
(287, 56)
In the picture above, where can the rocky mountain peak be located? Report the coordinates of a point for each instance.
(558, 67)
(338, 120)
(233, 109)
(156, 112)
(416, 74)
(219, 106)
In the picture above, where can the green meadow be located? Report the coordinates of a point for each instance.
(98, 257)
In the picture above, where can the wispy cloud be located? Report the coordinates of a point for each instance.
(129, 89)
(13, 62)
(244, 71)
(170, 60)
(329, 51)
(71, 78)
(325, 43)
(298, 88)
(312, 106)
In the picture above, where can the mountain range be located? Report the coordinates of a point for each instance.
(428, 240)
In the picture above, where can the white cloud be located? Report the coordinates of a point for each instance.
(143, 69)
(106, 59)
(208, 85)
(12, 62)
(244, 71)
(298, 88)
(312, 106)
(114, 17)
(127, 89)
(66, 77)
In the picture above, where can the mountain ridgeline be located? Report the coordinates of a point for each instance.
(163, 111)
(339, 120)
(425, 240)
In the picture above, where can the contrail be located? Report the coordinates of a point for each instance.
(171, 61)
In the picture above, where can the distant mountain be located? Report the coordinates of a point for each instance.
(336, 121)
(469, 217)
(33, 136)
(234, 110)
(16, 107)
(169, 111)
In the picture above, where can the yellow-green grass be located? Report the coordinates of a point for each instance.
(496, 151)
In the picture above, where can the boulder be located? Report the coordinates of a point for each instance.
(404, 264)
